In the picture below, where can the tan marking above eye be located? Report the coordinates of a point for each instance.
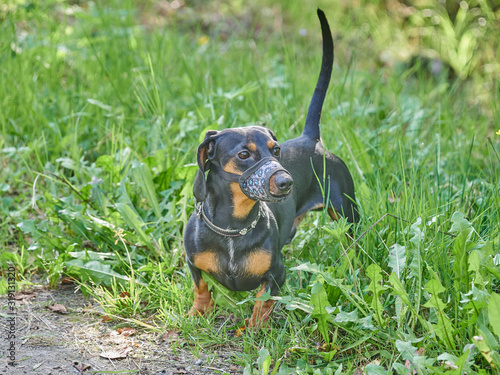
(252, 146)
(206, 261)
(270, 144)
(258, 262)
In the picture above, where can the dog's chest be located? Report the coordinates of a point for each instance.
(233, 262)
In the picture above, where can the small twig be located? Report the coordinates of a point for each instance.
(135, 321)
(67, 183)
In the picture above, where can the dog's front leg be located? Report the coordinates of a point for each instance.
(202, 297)
(261, 311)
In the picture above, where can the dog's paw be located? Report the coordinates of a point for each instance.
(200, 309)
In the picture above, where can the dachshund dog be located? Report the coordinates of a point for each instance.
(251, 194)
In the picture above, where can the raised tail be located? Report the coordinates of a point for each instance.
(311, 128)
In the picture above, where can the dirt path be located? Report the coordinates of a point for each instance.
(79, 342)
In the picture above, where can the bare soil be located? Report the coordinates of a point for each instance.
(79, 342)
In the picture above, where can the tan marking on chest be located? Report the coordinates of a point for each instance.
(207, 261)
(258, 262)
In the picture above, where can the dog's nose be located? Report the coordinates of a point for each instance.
(283, 183)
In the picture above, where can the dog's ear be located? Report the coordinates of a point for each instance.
(206, 151)
(272, 135)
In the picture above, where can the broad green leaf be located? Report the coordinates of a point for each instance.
(307, 267)
(264, 360)
(67, 163)
(134, 221)
(97, 271)
(443, 329)
(343, 316)
(400, 368)
(417, 234)
(434, 288)
(460, 362)
(367, 323)
(319, 300)
(142, 177)
(495, 271)
(406, 349)
(474, 261)
(29, 227)
(284, 370)
(373, 272)
(398, 288)
(109, 165)
(460, 263)
(373, 369)
(494, 313)
(397, 259)
(460, 223)
(490, 355)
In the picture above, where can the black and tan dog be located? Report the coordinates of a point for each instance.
(255, 194)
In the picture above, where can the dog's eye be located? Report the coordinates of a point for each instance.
(243, 154)
(276, 151)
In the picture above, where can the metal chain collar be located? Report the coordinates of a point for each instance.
(200, 212)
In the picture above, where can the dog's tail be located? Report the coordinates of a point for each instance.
(311, 128)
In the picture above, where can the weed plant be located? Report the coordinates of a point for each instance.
(104, 103)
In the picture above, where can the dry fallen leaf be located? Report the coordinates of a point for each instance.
(21, 296)
(106, 318)
(170, 335)
(58, 308)
(116, 354)
(68, 280)
(81, 367)
(126, 331)
(124, 294)
(240, 331)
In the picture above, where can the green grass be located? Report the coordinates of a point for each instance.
(103, 106)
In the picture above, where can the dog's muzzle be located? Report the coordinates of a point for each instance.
(255, 182)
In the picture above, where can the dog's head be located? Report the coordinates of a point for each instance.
(248, 156)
